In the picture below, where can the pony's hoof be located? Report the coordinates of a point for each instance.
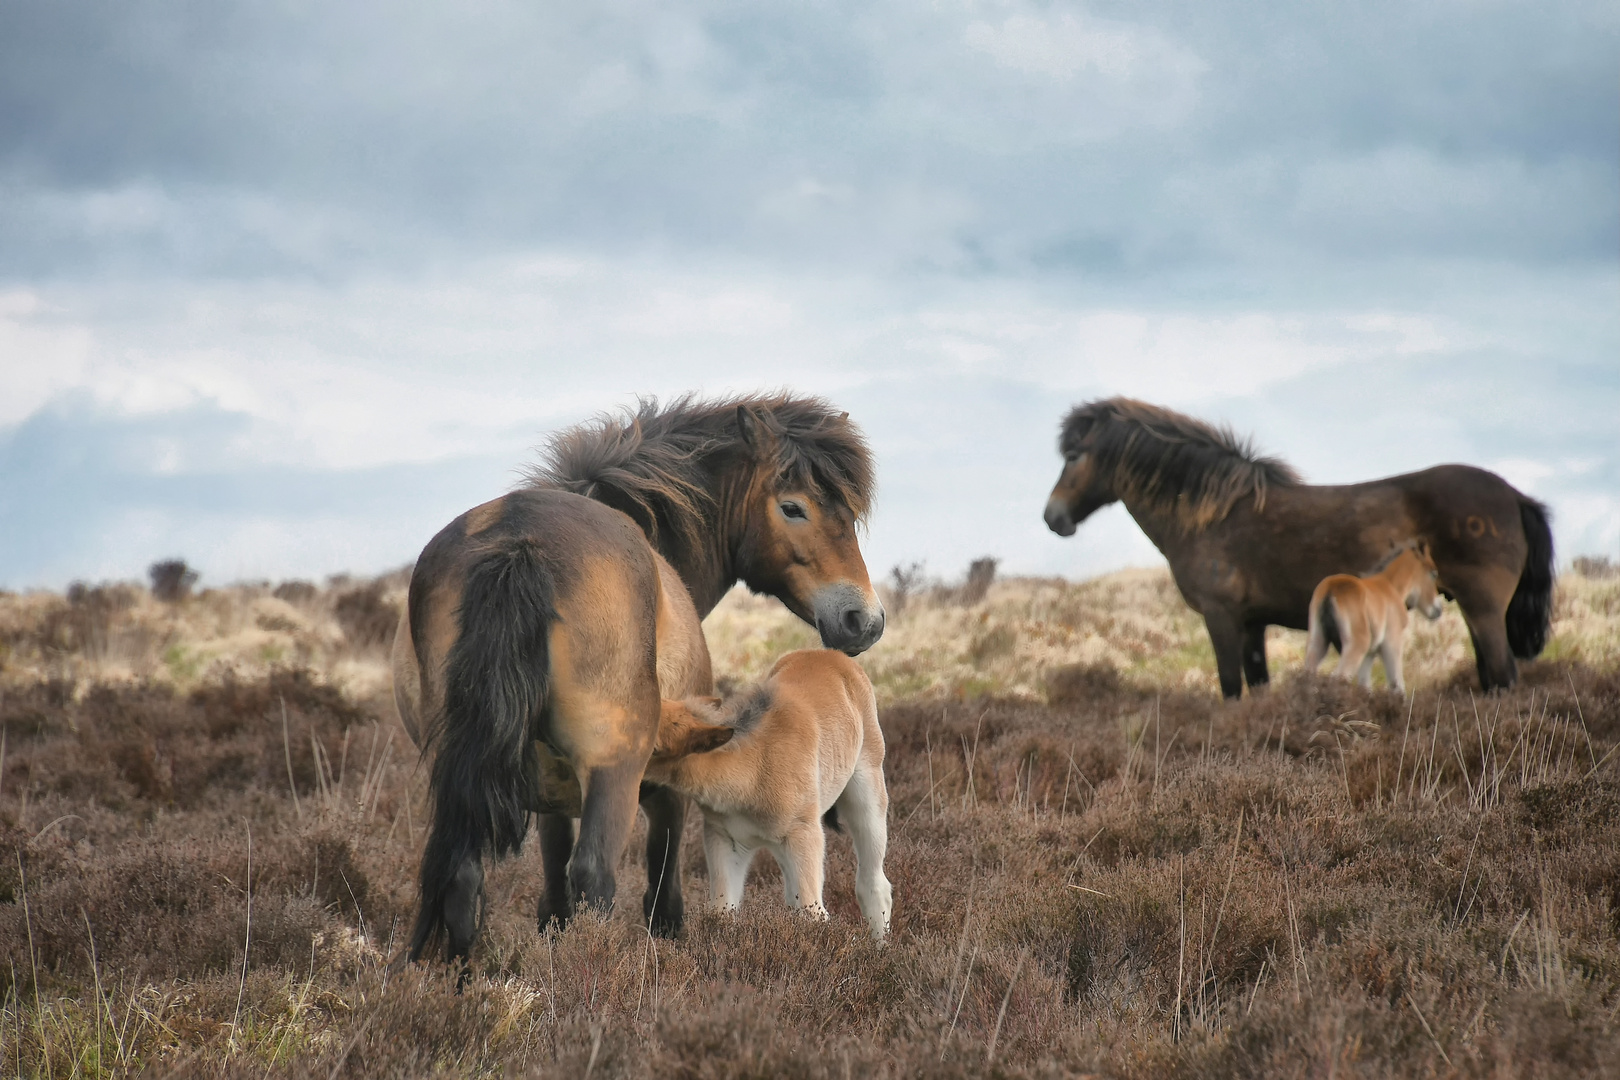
(554, 915)
(663, 919)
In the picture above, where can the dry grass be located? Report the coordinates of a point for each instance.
(1098, 867)
(1133, 622)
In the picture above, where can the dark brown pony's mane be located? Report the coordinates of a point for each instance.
(1173, 462)
(661, 464)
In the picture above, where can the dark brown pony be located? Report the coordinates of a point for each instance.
(530, 659)
(1247, 540)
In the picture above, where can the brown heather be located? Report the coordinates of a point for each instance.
(1099, 867)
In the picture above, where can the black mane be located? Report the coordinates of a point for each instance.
(1173, 462)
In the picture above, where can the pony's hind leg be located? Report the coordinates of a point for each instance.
(728, 868)
(463, 907)
(1355, 656)
(803, 858)
(1485, 613)
(556, 847)
(864, 810)
(604, 829)
(662, 906)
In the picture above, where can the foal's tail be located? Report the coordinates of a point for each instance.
(1529, 613)
(1323, 628)
(495, 688)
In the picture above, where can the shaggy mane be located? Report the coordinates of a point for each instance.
(667, 465)
(1173, 462)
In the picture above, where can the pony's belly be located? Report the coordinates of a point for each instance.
(743, 830)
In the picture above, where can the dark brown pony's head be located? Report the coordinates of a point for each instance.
(767, 489)
(1119, 448)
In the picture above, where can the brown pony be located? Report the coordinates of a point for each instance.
(540, 625)
(1369, 615)
(808, 748)
(1247, 541)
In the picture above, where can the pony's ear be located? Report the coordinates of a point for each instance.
(708, 737)
(680, 733)
(747, 426)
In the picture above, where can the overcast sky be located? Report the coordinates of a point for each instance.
(286, 286)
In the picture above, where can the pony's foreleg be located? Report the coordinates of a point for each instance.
(1254, 656)
(1227, 639)
(1355, 652)
(728, 868)
(662, 906)
(556, 847)
(803, 858)
(604, 830)
(864, 809)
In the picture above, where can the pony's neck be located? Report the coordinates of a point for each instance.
(710, 569)
(1159, 524)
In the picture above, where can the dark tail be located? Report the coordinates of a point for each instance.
(1328, 615)
(495, 689)
(1529, 613)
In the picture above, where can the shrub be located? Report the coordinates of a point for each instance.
(172, 580)
(367, 619)
(980, 576)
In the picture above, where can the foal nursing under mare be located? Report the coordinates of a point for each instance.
(1248, 542)
(543, 628)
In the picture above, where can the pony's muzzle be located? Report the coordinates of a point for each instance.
(1058, 519)
(845, 620)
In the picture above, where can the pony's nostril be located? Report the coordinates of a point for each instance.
(854, 621)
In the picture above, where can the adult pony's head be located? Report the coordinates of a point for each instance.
(765, 489)
(1119, 448)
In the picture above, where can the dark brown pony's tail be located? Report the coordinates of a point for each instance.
(495, 688)
(1529, 613)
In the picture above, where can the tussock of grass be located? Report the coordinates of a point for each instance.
(1098, 867)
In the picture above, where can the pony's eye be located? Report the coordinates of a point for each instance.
(794, 511)
(1073, 456)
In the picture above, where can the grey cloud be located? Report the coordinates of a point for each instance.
(440, 128)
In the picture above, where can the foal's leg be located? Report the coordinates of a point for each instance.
(803, 858)
(604, 829)
(556, 846)
(1254, 655)
(728, 869)
(1355, 643)
(662, 906)
(1391, 650)
(864, 810)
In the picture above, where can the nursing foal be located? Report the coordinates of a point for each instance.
(807, 748)
(1368, 613)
